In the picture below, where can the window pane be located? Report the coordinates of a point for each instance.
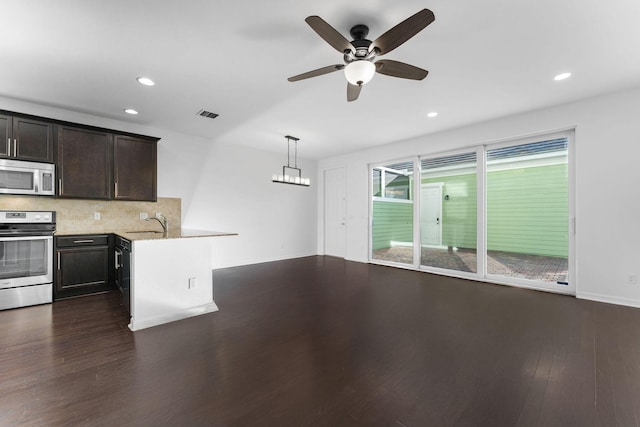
(392, 227)
(448, 212)
(377, 183)
(397, 186)
(528, 210)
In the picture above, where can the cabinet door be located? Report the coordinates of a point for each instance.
(84, 163)
(33, 140)
(82, 269)
(5, 135)
(135, 168)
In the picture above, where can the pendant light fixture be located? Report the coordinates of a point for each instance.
(284, 178)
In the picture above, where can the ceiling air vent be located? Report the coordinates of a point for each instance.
(207, 114)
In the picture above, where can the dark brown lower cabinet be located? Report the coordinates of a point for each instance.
(83, 265)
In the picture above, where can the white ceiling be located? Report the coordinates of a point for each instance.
(486, 59)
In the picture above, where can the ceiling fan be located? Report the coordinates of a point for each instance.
(359, 54)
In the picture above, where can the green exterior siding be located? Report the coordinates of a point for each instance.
(392, 221)
(527, 212)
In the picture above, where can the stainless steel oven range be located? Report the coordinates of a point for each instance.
(26, 258)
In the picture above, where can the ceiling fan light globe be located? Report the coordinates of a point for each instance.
(359, 72)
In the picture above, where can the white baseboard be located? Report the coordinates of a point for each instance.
(172, 317)
(261, 261)
(629, 302)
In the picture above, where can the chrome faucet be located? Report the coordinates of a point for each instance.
(163, 222)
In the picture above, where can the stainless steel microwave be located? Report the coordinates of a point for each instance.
(19, 177)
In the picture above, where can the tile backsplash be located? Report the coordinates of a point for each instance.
(78, 215)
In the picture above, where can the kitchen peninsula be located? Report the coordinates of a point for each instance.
(171, 277)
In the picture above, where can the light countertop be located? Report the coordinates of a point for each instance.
(181, 233)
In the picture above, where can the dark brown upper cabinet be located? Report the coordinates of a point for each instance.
(84, 163)
(92, 162)
(134, 168)
(24, 138)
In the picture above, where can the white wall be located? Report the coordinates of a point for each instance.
(223, 188)
(607, 185)
(235, 193)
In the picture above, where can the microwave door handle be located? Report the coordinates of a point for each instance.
(36, 181)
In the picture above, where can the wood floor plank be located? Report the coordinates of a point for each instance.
(320, 341)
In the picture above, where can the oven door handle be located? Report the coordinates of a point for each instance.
(7, 239)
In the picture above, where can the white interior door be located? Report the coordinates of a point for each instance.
(431, 214)
(334, 213)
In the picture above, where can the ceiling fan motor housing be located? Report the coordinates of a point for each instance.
(359, 32)
(360, 43)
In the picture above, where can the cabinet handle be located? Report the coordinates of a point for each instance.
(60, 187)
(15, 147)
(116, 189)
(117, 263)
(9, 147)
(58, 260)
(83, 241)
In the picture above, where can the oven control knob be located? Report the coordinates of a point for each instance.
(37, 217)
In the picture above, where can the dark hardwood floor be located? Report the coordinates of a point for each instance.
(320, 341)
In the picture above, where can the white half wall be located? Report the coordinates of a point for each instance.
(234, 193)
(162, 272)
(607, 154)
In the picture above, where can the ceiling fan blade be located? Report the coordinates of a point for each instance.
(328, 33)
(400, 69)
(353, 91)
(315, 73)
(403, 31)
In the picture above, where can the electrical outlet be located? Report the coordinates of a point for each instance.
(632, 279)
(158, 214)
(192, 282)
(97, 216)
(144, 215)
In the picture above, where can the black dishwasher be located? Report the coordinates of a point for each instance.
(123, 270)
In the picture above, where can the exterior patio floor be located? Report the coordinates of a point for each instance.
(509, 264)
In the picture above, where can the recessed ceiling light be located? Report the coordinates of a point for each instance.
(130, 111)
(432, 114)
(146, 81)
(562, 76)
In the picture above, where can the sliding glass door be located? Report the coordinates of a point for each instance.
(448, 212)
(392, 213)
(527, 195)
(499, 212)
